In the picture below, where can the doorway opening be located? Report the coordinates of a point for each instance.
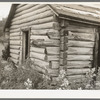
(26, 45)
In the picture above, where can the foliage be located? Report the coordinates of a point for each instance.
(5, 53)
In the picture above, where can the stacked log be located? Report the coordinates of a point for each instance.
(44, 36)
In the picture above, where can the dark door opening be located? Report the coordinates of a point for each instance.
(26, 43)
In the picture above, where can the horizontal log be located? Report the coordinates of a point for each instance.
(76, 28)
(39, 69)
(52, 57)
(44, 41)
(80, 57)
(15, 34)
(76, 78)
(14, 30)
(52, 50)
(50, 32)
(78, 51)
(14, 60)
(77, 71)
(15, 56)
(78, 66)
(55, 64)
(81, 36)
(52, 72)
(15, 42)
(38, 55)
(15, 51)
(73, 43)
(79, 63)
(34, 10)
(15, 38)
(37, 16)
(40, 63)
(15, 47)
(25, 7)
(38, 50)
(33, 22)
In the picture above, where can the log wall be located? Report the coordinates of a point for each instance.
(77, 48)
(44, 36)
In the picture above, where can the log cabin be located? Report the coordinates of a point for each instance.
(55, 36)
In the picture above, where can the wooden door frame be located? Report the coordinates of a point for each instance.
(23, 42)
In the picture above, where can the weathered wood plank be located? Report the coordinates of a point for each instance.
(79, 63)
(15, 34)
(37, 16)
(73, 43)
(39, 69)
(40, 63)
(44, 32)
(15, 38)
(52, 72)
(52, 57)
(14, 47)
(38, 55)
(15, 51)
(81, 36)
(15, 56)
(76, 50)
(38, 50)
(80, 57)
(35, 9)
(52, 50)
(14, 60)
(63, 54)
(77, 71)
(76, 28)
(76, 78)
(15, 42)
(55, 64)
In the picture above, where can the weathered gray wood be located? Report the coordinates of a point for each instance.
(52, 50)
(37, 16)
(14, 30)
(63, 54)
(40, 63)
(73, 43)
(63, 46)
(38, 55)
(38, 50)
(15, 38)
(14, 47)
(34, 22)
(76, 50)
(77, 71)
(34, 8)
(15, 42)
(55, 64)
(52, 57)
(15, 34)
(64, 39)
(15, 51)
(79, 63)
(81, 36)
(24, 8)
(63, 61)
(80, 57)
(15, 56)
(39, 69)
(44, 32)
(76, 28)
(76, 78)
(52, 72)
(78, 66)
(14, 60)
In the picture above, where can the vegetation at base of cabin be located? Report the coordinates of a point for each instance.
(25, 77)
